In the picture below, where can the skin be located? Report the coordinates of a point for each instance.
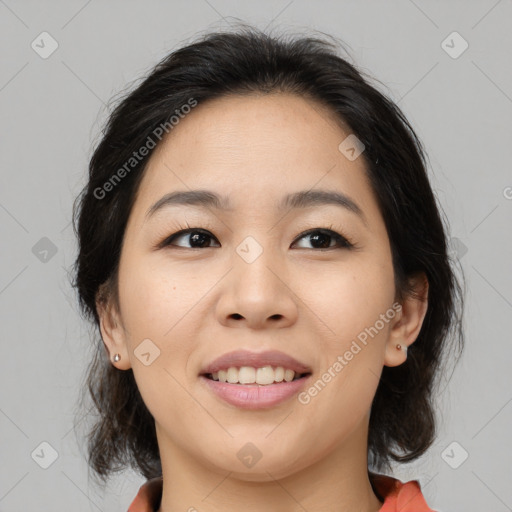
(195, 304)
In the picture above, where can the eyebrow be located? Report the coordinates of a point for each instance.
(302, 199)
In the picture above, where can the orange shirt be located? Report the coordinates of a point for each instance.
(398, 496)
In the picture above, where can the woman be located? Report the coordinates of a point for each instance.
(262, 252)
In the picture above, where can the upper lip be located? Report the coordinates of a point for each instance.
(239, 358)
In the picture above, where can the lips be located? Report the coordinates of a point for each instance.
(239, 358)
(255, 397)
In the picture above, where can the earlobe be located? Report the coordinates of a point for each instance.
(407, 324)
(113, 335)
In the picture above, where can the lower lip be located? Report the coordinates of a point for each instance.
(254, 396)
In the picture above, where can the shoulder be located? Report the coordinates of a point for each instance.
(397, 495)
(149, 496)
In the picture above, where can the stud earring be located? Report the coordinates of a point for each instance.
(117, 357)
(399, 347)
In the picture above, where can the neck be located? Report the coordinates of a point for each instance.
(337, 481)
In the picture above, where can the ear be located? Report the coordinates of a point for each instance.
(112, 330)
(408, 321)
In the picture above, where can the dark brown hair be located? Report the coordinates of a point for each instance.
(243, 61)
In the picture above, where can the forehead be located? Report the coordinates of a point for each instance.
(254, 149)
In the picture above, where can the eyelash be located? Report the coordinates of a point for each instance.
(342, 241)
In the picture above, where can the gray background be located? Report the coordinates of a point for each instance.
(52, 112)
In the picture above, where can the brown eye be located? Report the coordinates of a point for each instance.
(197, 238)
(323, 238)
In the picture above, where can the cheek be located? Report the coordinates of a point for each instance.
(350, 300)
(153, 301)
(353, 357)
(358, 313)
(154, 308)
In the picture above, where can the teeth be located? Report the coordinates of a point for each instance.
(249, 375)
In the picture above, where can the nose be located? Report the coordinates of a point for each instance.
(258, 295)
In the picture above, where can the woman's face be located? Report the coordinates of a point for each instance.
(253, 281)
